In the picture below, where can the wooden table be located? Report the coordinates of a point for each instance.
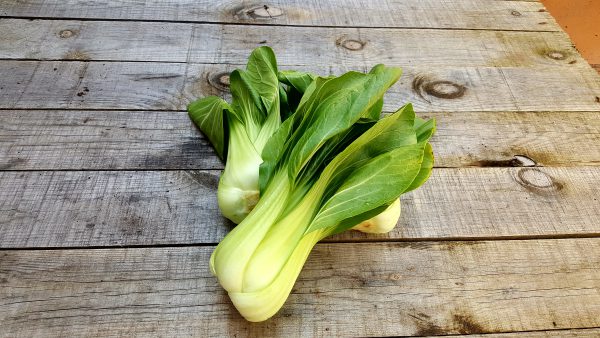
(108, 208)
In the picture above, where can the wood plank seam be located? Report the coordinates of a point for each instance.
(258, 24)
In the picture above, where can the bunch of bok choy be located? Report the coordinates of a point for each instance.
(238, 132)
(326, 163)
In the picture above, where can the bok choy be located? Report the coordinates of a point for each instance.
(262, 96)
(328, 167)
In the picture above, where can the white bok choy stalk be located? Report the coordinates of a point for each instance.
(239, 131)
(329, 167)
(262, 97)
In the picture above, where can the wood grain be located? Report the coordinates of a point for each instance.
(294, 46)
(112, 208)
(171, 86)
(75, 140)
(591, 333)
(507, 15)
(344, 290)
(35, 140)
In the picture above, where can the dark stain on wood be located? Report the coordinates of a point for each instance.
(453, 245)
(516, 161)
(466, 325)
(416, 245)
(426, 328)
(155, 77)
(132, 225)
(13, 163)
(134, 198)
(497, 163)
(190, 154)
(83, 92)
(203, 178)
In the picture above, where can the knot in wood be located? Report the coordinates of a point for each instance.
(264, 12)
(538, 182)
(515, 13)
(524, 161)
(351, 44)
(556, 55)
(66, 33)
(219, 80)
(444, 89)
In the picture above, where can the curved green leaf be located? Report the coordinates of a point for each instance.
(379, 182)
(208, 115)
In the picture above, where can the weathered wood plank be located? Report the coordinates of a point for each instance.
(380, 13)
(231, 44)
(592, 333)
(387, 289)
(109, 208)
(34, 140)
(50, 140)
(170, 86)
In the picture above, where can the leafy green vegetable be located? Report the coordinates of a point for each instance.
(262, 97)
(328, 167)
(322, 161)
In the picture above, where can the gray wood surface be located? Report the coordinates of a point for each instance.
(51, 140)
(171, 86)
(427, 288)
(112, 208)
(472, 14)
(231, 44)
(97, 152)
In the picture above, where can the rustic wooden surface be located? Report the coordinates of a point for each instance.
(107, 202)
(423, 288)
